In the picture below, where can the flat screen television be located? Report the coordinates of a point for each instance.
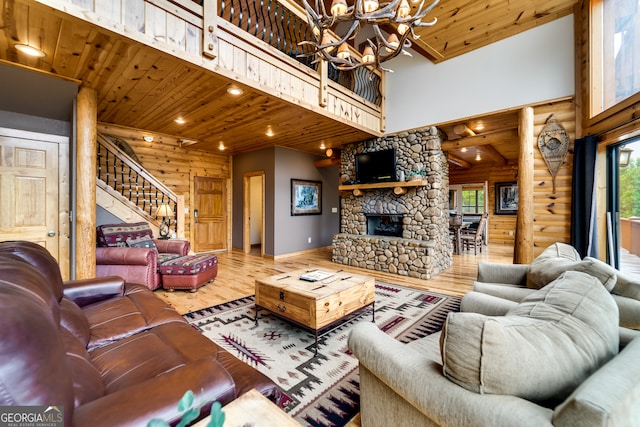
(376, 166)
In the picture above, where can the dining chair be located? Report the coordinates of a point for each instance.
(473, 237)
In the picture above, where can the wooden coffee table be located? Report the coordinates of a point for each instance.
(315, 305)
(253, 409)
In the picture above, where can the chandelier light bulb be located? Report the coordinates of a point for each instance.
(343, 51)
(403, 28)
(339, 7)
(367, 55)
(404, 9)
(325, 41)
(393, 42)
(370, 5)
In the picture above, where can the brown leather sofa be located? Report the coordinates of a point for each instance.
(111, 353)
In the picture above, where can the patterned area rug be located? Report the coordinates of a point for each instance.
(322, 390)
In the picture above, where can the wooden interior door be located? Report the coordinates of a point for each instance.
(29, 190)
(210, 225)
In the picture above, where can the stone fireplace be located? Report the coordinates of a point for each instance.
(401, 229)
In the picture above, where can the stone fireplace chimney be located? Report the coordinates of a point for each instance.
(412, 218)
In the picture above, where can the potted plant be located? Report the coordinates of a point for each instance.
(416, 174)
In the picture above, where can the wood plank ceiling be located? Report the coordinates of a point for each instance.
(141, 88)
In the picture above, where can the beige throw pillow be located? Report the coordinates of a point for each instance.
(561, 257)
(541, 349)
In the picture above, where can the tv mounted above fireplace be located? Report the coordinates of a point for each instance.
(376, 166)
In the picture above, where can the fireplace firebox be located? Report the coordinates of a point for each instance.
(384, 225)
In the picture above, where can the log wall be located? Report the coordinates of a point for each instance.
(552, 212)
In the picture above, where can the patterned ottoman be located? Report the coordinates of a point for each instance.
(188, 272)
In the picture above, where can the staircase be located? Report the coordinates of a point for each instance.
(130, 192)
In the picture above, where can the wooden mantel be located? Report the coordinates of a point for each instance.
(399, 187)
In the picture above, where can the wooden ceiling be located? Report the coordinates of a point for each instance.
(142, 88)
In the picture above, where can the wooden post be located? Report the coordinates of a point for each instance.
(209, 27)
(323, 68)
(523, 253)
(86, 132)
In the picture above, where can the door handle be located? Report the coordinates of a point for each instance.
(51, 233)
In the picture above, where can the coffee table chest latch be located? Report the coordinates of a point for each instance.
(281, 295)
(282, 308)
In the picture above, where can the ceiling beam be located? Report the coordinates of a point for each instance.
(499, 137)
(488, 150)
(459, 162)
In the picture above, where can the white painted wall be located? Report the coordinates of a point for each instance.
(534, 66)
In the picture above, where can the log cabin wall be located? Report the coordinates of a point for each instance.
(552, 211)
(173, 165)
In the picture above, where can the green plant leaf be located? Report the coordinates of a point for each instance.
(217, 416)
(187, 401)
(188, 416)
(157, 423)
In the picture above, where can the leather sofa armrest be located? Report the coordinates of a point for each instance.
(133, 405)
(89, 291)
(512, 274)
(126, 256)
(173, 246)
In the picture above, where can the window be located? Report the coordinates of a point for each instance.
(623, 204)
(472, 201)
(620, 50)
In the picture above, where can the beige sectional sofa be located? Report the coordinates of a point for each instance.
(517, 356)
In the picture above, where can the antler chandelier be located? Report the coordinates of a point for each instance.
(396, 13)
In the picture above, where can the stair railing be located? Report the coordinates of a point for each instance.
(124, 177)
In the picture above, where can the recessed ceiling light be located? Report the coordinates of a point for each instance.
(221, 146)
(180, 121)
(269, 132)
(148, 138)
(463, 149)
(235, 91)
(30, 50)
(322, 146)
(478, 158)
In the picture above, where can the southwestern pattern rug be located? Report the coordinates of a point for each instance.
(322, 389)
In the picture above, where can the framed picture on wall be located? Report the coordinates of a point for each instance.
(506, 198)
(306, 197)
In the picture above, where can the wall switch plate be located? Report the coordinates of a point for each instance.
(309, 239)
(186, 211)
(334, 210)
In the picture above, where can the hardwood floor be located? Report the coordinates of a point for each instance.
(237, 273)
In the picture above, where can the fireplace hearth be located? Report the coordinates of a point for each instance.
(384, 225)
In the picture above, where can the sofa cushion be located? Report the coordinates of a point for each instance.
(187, 265)
(117, 234)
(542, 349)
(627, 285)
(561, 257)
(142, 242)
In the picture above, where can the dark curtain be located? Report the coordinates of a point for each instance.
(584, 235)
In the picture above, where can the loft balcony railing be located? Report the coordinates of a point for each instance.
(252, 41)
(124, 176)
(275, 24)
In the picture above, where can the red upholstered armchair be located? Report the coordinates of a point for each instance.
(131, 252)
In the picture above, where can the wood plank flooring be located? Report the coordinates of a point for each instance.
(237, 273)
